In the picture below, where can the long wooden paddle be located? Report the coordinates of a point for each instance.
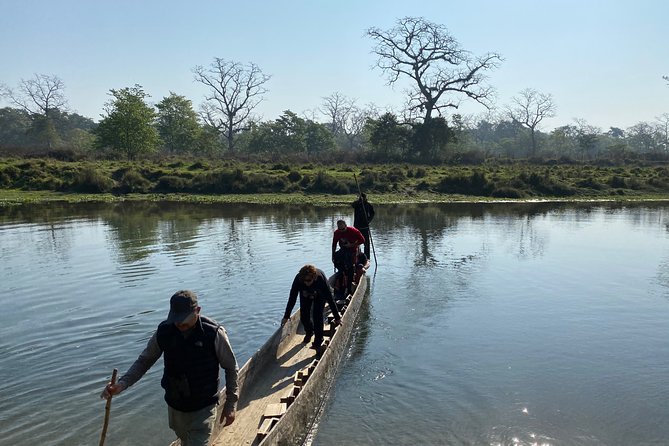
(369, 230)
(107, 411)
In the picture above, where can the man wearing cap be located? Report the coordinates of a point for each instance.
(194, 347)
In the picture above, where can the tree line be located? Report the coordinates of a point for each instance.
(426, 130)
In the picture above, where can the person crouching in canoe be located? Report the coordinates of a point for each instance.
(314, 291)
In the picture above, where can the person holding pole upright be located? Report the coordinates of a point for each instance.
(363, 213)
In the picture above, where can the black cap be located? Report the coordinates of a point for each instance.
(182, 305)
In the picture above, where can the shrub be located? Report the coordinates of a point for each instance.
(327, 184)
(396, 174)
(220, 181)
(420, 172)
(11, 172)
(172, 183)
(133, 182)
(197, 166)
(263, 183)
(507, 192)
(294, 176)
(474, 184)
(91, 180)
(590, 183)
(617, 181)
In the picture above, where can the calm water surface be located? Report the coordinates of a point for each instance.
(534, 324)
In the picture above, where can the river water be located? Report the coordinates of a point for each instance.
(504, 324)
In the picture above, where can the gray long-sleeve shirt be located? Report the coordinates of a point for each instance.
(224, 354)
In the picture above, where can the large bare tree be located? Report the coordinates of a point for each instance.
(40, 96)
(529, 108)
(442, 72)
(235, 89)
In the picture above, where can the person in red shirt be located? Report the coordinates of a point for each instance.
(349, 238)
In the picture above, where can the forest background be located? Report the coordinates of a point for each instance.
(424, 148)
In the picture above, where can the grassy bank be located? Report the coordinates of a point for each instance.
(37, 180)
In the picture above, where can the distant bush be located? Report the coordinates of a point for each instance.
(617, 181)
(133, 182)
(263, 183)
(172, 183)
(396, 174)
(507, 192)
(325, 183)
(222, 181)
(197, 166)
(91, 180)
(420, 172)
(294, 176)
(590, 183)
(474, 184)
(8, 175)
(284, 167)
(65, 155)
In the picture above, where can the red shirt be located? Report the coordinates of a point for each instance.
(350, 235)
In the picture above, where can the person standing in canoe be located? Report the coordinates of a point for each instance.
(347, 237)
(194, 347)
(363, 213)
(312, 286)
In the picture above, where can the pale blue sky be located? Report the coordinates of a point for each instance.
(602, 61)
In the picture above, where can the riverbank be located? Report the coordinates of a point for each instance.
(18, 197)
(231, 181)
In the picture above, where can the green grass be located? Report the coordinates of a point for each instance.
(36, 180)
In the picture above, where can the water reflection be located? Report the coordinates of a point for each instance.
(476, 311)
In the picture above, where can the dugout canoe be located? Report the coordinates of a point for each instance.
(283, 385)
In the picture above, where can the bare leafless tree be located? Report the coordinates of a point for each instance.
(442, 71)
(663, 130)
(337, 109)
(40, 96)
(529, 108)
(235, 89)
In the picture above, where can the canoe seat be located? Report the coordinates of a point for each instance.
(290, 396)
(299, 379)
(330, 331)
(275, 410)
(266, 426)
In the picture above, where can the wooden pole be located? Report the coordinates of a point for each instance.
(107, 411)
(369, 230)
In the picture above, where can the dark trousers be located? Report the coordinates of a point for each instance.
(365, 233)
(312, 309)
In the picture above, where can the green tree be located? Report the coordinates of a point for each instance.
(388, 138)
(290, 134)
(177, 123)
(128, 124)
(430, 138)
(14, 125)
(426, 53)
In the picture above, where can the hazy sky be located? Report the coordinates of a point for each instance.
(602, 61)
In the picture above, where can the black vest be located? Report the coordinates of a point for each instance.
(190, 378)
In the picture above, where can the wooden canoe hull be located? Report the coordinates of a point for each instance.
(294, 425)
